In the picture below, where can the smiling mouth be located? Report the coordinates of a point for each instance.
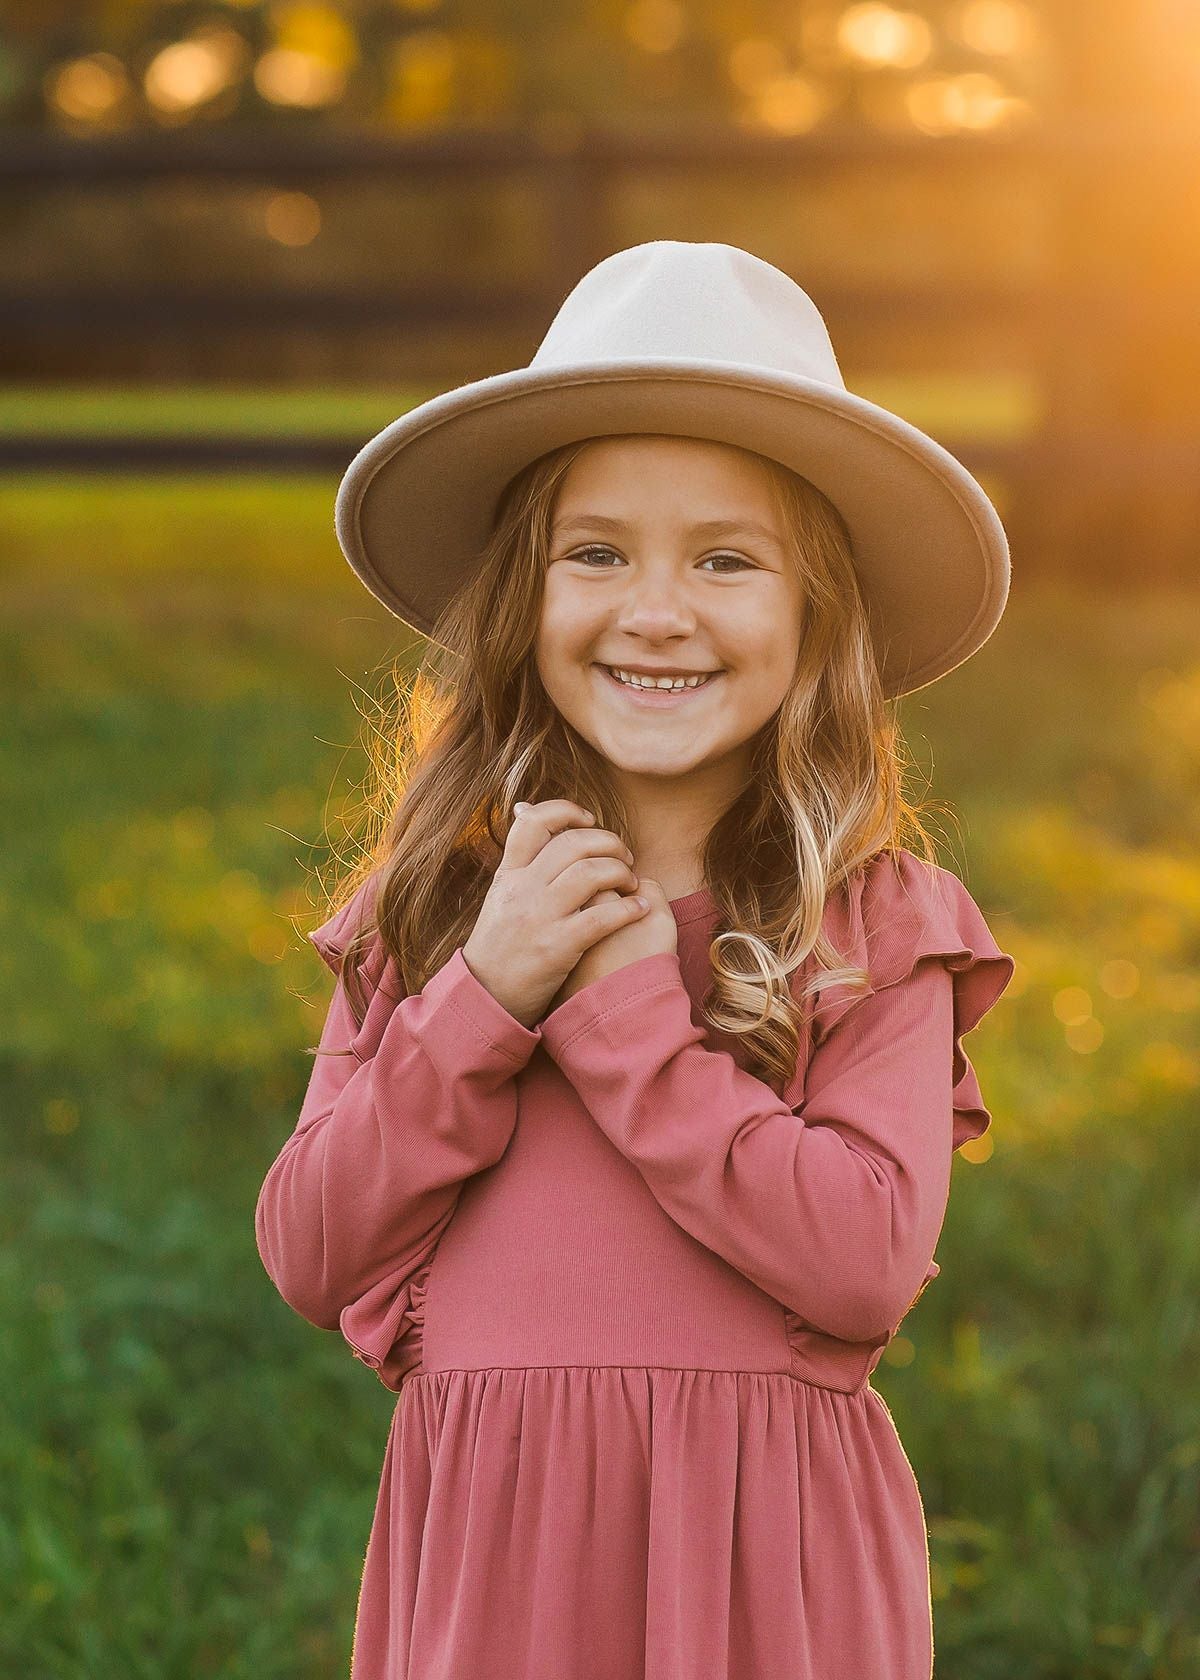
(657, 697)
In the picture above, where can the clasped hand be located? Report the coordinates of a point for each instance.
(649, 935)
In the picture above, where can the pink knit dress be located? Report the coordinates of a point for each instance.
(630, 1300)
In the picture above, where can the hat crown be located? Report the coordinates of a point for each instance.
(673, 299)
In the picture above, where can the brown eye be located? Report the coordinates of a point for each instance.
(601, 548)
(737, 557)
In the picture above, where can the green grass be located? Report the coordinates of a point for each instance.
(190, 1468)
(1000, 407)
(116, 411)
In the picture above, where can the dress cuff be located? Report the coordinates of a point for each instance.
(608, 995)
(458, 988)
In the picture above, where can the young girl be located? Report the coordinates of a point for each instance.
(629, 1138)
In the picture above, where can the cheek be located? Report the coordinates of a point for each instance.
(767, 671)
(763, 646)
(776, 641)
(562, 628)
(560, 659)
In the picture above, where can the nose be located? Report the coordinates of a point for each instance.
(652, 608)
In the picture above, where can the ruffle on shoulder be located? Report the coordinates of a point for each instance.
(889, 916)
(377, 973)
(334, 935)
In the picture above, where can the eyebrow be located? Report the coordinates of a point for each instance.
(704, 528)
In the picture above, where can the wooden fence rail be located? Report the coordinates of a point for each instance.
(1110, 480)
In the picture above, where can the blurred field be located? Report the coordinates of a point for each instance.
(115, 411)
(190, 1467)
(970, 405)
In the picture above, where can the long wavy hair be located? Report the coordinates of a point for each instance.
(471, 731)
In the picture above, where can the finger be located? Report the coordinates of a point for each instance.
(604, 914)
(603, 896)
(533, 825)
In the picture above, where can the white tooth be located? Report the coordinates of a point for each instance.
(632, 680)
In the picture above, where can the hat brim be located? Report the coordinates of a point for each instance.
(416, 504)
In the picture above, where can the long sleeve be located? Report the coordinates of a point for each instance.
(832, 1206)
(353, 1206)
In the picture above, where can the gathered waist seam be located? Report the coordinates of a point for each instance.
(706, 1370)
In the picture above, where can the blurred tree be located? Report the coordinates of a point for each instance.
(1127, 232)
(431, 63)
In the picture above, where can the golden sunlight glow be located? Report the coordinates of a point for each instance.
(1003, 28)
(1156, 929)
(753, 62)
(978, 1150)
(287, 77)
(314, 49)
(1180, 992)
(189, 73)
(1166, 1063)
(792, 104)
(1072, 1005)
(974, 100)
(656, 26)
(87, 89)
(421, 78)
(1085, 1036)
(1119, 978)
(814, 32)
(292, 218)
(319, 31)
(882, 36)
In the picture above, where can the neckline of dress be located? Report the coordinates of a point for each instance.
(692, 906)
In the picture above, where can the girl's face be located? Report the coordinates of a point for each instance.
(635, 580)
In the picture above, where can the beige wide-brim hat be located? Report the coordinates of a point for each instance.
(698, 340)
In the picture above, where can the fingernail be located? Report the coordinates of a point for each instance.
(521, 805)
